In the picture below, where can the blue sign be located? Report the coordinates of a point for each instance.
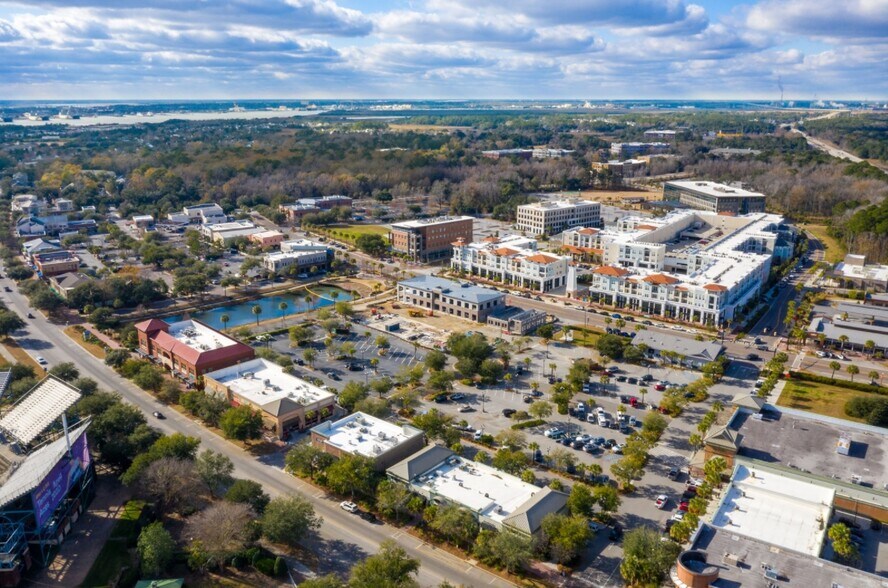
(63, 476)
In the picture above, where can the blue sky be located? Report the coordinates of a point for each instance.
(531, 49)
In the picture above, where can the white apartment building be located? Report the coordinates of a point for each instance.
(553, 216)
(693, 266)
(513, 260)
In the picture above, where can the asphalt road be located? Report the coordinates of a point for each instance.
(343, 539)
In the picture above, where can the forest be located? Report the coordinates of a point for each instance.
(434, 161)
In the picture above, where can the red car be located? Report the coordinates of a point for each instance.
(633, 401)
(661, 501)
(660, 387)
(683, 506)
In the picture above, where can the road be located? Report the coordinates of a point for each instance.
(343, 539)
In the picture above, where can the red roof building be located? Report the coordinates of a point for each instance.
(190, 348)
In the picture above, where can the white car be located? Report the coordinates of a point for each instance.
(41, 360)
(348, 506)
(554, 431)
(662, 501)
(595, 526)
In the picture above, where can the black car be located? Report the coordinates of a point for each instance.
(632, 380)
(441, 398)
(753, 357)
(647, 378)
(508, 412)
(536, 393)
(648, 323)
(333, 376)
(616, 533)
(566, 440)
(624, 399)
(528, 399)
(621, 378)
(355, 367)
(369, 517)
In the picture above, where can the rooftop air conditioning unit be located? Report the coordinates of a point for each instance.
(248, 375)
(382, 434)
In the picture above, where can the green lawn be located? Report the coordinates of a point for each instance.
(350, 233)
(115, 554)
(581, 337)
(822, 399)
(835, 251)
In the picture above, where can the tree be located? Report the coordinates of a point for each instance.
(225, 318)
(406, 398)
(248, 492)
(288, 520)
(581, 501)
(256, 310)
(382, 386)
(300, 335)
(306, 460)
(440, 381)
(626, 471)
(869, 345)
(310, 355)
(456, 524)
(103, 318)
(434, 423)
(435, 360)
(834, 366)
(283, 306)
(874, 376)
(714, 469)
(219, 532)
(351, 393)
(214, 469)
(606, 497)
(840, 535)
(853, 370)
(843, 339)
(172, 483)
(116, 357)
(512, 462)
(611, 346)
(65, 371)
(371, 244)
(546, 331)
(564, 536)
(540, 409)
(390, 567)
(149, 378)
(156, 549)
(241, 423)
(647, 559)
(392, 498)
(562, 459)
(9, 323)
(511, 439)
(352, 474)
(328, 581)
(176, 445)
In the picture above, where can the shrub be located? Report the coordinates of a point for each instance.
(528, 424)
(859, 386)
(265, 566)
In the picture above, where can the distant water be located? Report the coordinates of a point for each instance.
(161, 117)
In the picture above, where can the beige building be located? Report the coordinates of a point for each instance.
(361, 434)
(553, 216)
(462, 300)
(430, 239)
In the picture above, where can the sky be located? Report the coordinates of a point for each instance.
(443, 49)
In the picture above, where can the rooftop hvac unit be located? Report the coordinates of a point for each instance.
(732, 558)
(266, 382)
(363, 429)
(381, 434)
(248, 375)
(771, 574)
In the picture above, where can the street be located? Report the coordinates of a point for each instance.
(343, 539)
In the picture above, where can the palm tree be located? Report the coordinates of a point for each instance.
(843, 339)
(256, 310)
(308, 300)
(283, 308)
(224, 318)
(853, 370)
(874, 376)
(870, 346)
(552, 367)
(834, 365)
(643, 390)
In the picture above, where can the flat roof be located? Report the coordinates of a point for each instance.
(480, 488)
(39, 408)
(807, 442)
(460, 290)
(786, 512)
(708, 350)
(865, 312)
(366, 435)
(425, 222)
(199, 336)
(858, 333)
(862, 272)
(266, 384)
(554, 204)
(797, 569)
(715, 189)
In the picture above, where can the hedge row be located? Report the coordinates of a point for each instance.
(859, 386)
(528, 424)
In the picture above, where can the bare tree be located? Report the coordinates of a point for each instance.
(220, 531)
(173, 484)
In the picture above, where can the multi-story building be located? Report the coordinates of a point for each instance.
(302, 253)
(327, 202)
(295, 212)
(692, 266)
(660, 134)
(516, 321)
(513, 260)
(553, 216)
(628, 150)
(496, 499)
(208, 213)
(854, 272)
(267, 239)
(501, 153)
(286, 403)
(621, 169)
(361, 434)
(430, 239)
(54, 263)
(226, 233)
(462, 300)
(189, 348)
(721, 198)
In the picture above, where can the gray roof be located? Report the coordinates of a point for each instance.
(749, 400)
(529, 515)
(4, 381)
(72, 280)
(281, 407)
(420, 462)
(460, 290)
(513, 313)
(864, 312)
(705, 350)
(858, 333)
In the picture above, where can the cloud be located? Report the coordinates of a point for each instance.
(859, 19)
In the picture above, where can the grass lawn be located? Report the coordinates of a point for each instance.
(581, 337)
(824, 399)
(20, 355)
(350, 233)
(76, 335)
(115, 554)
(835, 251)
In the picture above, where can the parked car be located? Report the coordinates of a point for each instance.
(466, 408)
(158, 415)
(457, 397)
(528, 399)
(683, 506)
(660, 387)
(616, 533)
(508, 412)
(348, 506)
(478, 434)
(753, 357)
(595, 526)
(673, 473)
(661, 501)
(552, 432)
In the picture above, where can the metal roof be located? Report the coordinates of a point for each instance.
(38, 409)
(451, 289)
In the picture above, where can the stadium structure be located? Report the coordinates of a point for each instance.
(46, 477)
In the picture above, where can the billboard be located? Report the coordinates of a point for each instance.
(63, 476)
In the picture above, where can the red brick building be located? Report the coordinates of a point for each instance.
(190, 348)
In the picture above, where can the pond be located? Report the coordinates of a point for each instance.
(242, 314)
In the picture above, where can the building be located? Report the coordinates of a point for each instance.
(618, 170)
(430, 239)
(287, 403)
(364, 435)
(551, 153)
(54, 263)
(46, 477)
(295, 212)
(516, 321)
(857, 328)
(629, 150)
(63, 284)
(208, 213)
(39, 245)
(714, 197)
(462, 300)
(189, 348)
(507, 153)
(698, 267)
(878, 300)
(513, 260)
(854, 272)
(267, 239)
(660, 134)
(28, 204)
(144, 222)
(301, 253)
(582, 243)
(498, 500)
(327, 202)
(553, 216)
(38, 226)
(63, 205)
(688, 351)
(226, 233)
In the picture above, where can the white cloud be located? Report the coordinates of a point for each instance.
(858, 19)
